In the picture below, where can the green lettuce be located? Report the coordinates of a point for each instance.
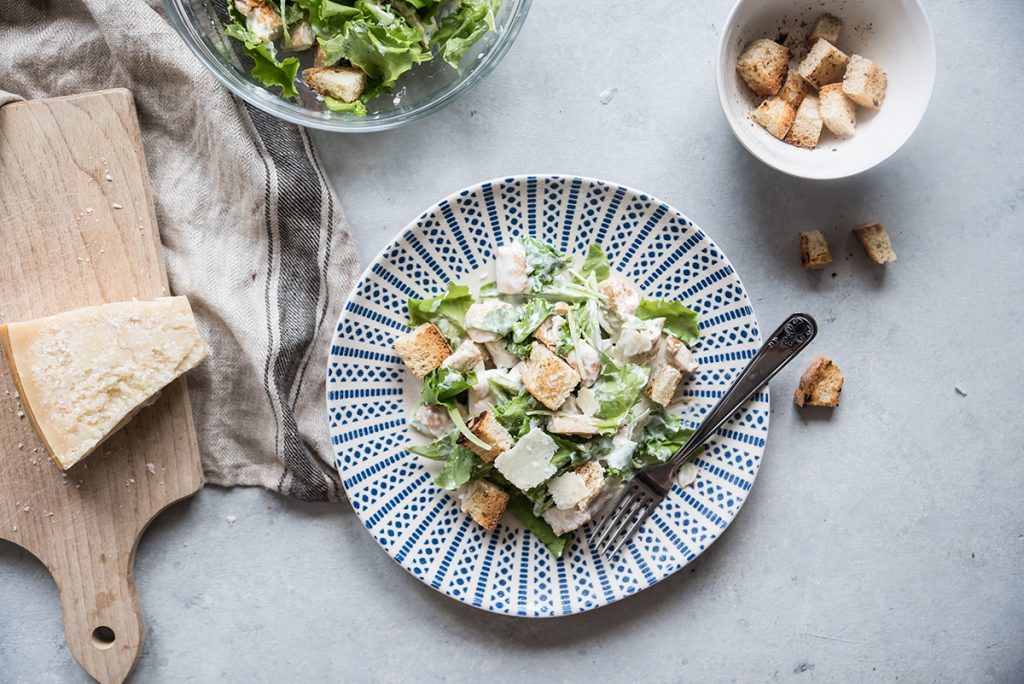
(522, 508)
(544, 261)
(464, 27)
(458, 469)
(663, 436)
(447, 311)
(515, 413)
(326, 16)
(378, 41)
(267, 68)
(679, 320)
(617, 389)
(335, 105)
(531, 316)
(596, 263)
(501, 320)
(443, 384)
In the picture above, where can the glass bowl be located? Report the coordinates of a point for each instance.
(425, 89)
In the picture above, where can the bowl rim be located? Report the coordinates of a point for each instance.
(765, 391)
(825, 172)
(280, 108)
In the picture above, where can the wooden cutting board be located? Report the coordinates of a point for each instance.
(77, 227)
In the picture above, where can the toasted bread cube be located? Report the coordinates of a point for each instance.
(343, 83)
(487, 428)
(876, 243)
(837, 111)
(826, 27)
(865, 83)
(806, 127)
(662, 386)
(680, 356)
(820, 385)
(775, 116)
(423, 350)
(824, 64)
(548, 378)
(814, 251)
(794, 89)
(763, 66)
(485, 502)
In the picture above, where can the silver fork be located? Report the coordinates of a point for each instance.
(637, 500)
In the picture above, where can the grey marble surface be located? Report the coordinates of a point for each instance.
(883, 541)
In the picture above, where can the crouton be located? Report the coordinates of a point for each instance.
(826, 27)
(548, 378)
(806, 127)
(466, 356)
(876, 243)
(487, 428)
(662, 386)
(593, 477)
(342, 83)
(837, 111)
(576, 489)
(763, 66)
(300, 37)
(820, 385)
(485, 502)
(814, 251)
(824, 64)
(794, 89)
(423, 350)
(776, 116)
(865, 83)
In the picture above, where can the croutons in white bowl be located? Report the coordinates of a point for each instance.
(894, 34)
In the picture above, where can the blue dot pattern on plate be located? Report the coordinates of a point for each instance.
(370, 394)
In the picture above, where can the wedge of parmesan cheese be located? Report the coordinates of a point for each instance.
(83, 374)
(528, 463)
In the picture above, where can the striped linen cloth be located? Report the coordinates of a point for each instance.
(252, 231)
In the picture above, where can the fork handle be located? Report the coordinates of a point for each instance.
(781, 347)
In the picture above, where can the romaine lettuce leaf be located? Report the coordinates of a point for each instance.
(663, 436)
(447, 311)
(438, 450)
(326, 16)
(522, 508)
(463, 27)
(617, 389)
(544, 261)
(596, 263)
(378, 41)
(530, 317)
(500, 320)
(267, 68)
(357, 107)
(457, 469)
(679, 320)
(443, 384)
(514, 414)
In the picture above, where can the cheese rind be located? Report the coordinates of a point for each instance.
(83, 374)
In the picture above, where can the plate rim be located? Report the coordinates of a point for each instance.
(402, 233)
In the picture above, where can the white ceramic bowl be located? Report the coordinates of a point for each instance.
(895, 34)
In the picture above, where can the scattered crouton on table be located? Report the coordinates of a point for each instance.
(876, 242)
(814, 251)
(820, 385)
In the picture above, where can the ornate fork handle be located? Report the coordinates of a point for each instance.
(780, 348)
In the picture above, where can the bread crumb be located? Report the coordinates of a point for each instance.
(115, 205)
(960, 390)
(820, 385)
(231, 519)
(151, 467)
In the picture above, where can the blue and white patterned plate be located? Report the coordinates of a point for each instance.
(370, 393)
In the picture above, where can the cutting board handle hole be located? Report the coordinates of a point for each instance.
(103, 637)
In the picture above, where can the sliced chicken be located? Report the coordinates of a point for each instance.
(433, 421)
(621, 298)
(563, 521)
(587, 362)
(638, 338)
(569, 424)
(500, 355)
(466, 356)
(300, 37)
(550, 331)
(476, 314)
(510, 269)
(261, 19)
(680, 356)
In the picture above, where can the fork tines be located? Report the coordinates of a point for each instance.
(626, 514)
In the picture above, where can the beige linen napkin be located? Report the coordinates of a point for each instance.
(252, 232)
